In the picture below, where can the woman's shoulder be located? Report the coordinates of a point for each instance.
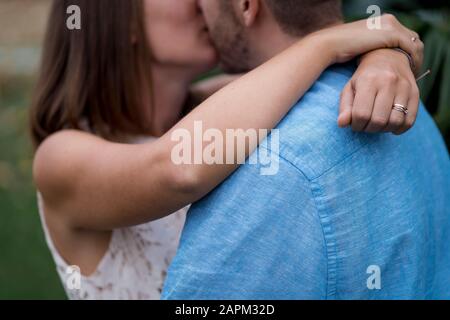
(59, 157)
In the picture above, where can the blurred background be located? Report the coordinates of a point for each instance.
(26, 268)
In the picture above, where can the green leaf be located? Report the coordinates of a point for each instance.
(443, 113)
(435, 47)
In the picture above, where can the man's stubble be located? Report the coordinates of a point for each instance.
(228, 36)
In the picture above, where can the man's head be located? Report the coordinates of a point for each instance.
(248, 32)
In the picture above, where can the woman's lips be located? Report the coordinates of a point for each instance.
(205, 30)
(204, 26)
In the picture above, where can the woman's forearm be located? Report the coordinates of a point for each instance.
(258, 100)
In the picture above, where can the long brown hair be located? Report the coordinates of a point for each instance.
(98, 75)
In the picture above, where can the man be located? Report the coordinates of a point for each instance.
(347, 216)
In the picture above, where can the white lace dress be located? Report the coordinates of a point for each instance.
(134, 266)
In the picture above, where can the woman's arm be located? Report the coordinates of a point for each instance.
(206, 88)
(382, 76)
(98, 185)
(101, 185)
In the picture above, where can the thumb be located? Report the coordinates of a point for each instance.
(346, 106)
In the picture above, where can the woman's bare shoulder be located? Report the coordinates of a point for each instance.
(60, 158)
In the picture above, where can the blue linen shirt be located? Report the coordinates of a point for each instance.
(344, 209)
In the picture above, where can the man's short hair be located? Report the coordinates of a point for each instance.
(301, 17)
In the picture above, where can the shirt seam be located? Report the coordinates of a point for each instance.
(331, 271)
(339, 162)
(324, 220)
(329, 241)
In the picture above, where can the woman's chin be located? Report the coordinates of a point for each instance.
(209, 50)
(214, 59)
(209, 60)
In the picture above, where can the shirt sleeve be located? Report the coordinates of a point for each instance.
(254, 237)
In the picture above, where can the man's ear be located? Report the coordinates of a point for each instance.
(248, 10)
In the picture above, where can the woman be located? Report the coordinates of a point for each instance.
(106, 107)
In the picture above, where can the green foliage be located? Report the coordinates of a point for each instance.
(431, 19)
(26, 267)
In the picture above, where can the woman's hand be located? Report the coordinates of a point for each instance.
(350, 40)
(384, 78)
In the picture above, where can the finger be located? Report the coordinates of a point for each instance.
(413, 109)
(363, 105)
(398, 118)
(346, 106)
(419, 46)
(418, 62)
(396, 121)
(382, 110)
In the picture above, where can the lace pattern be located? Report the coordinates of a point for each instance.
(135, 264)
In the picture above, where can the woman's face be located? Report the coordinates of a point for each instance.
(178, 35)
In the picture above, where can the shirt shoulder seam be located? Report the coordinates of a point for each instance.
(326, 236)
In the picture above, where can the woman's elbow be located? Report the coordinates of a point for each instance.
(185, 180)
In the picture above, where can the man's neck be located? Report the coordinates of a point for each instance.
(273, 45)
(275, 41)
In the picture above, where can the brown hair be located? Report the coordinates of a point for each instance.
(301, 17)
(98, 75)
